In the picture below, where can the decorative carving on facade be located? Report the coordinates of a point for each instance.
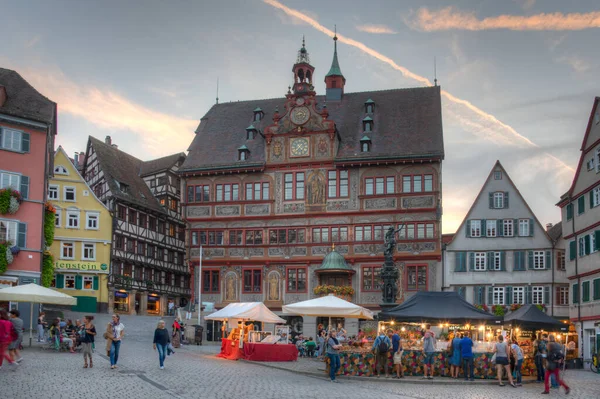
(289, 299)
(230, 210)
(256, 252)
(213, 252)
(252, 298)
(274, 286)
(369, 298)
(252, 210)
(210, 298)
(322, 147)
(231, 287)
(418, 202)
(293, 208)
(278, 251)
(277, 152)
(342, 249)
(406, 247)
(320, 250)
(197, 211)
(279, 193)
(380, 203)
(236, 252)
(368, 248)
(299, 251)
(338, 205)
(316, 186)
(427, 246)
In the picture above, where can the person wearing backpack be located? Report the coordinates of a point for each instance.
(428, 349)
(539, 354)
(517, 353)
(381, 348)
(555, 359)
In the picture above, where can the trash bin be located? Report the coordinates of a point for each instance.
(198, 329)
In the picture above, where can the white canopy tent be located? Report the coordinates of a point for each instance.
(34, 293)
(256, 311)
(328, 306)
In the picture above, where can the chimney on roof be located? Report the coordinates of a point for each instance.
(115, 146)
(2, 95)
(76, 160)
(108, 140)
(548, 226)
(81, 158)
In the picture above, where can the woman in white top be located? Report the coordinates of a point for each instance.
(517, 353)
(118, 332)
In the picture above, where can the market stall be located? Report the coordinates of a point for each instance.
(448, 314)
(239, 343)
(328, 306)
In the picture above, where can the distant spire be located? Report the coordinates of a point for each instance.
(303, 53)
(335, 65)
(217, 90)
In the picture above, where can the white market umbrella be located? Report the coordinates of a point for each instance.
(34, 293)
(328, 306)
(256, 311)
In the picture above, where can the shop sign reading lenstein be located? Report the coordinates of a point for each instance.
(94, 267)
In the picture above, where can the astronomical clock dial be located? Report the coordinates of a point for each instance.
(299, 147)
(300, 101)
(300, 115)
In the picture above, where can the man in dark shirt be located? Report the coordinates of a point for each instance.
(466, 351)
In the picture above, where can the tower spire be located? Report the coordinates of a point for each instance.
(334, 80)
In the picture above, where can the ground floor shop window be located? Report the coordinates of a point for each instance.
(121, 302)
(153, 304)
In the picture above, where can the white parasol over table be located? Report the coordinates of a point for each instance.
(35, 294)
(328, 306)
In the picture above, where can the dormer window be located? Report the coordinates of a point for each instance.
(243, 153)
(258, 114)
(123, 187)
(365, 144)
(60, 170)
(250, 132)
(369, 106)
(368, 124)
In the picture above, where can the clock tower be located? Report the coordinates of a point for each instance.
(303, 73)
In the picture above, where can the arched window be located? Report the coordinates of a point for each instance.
(365, 147)
(60, 170)
(242, 155)
(367, 126)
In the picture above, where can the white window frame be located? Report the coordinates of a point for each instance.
(88, 245)
(518, 295)
(508, 225)
(596, 197)
(65, 188)
(475, 228)
(12, 228)
(58, 218)
(490, 230)
(68, 221)
(523, 227)
(498, 295)
(539, 260)
(581, 246)
(69, 277)
(537, 295)
(10, 176)
(498, 200)
(593, 243)
(479, 260)
(90, 279)
(62, 250)
(88, 219)
(54, 188)
(497, 261)
(5, 133)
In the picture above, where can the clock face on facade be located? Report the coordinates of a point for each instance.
(299, 147)
(300, 115)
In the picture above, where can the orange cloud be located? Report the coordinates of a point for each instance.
(158, 133)
(451, 19)
(377, 29)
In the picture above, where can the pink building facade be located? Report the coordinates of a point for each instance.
(27, 131)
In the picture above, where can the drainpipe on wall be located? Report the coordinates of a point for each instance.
(581, 340)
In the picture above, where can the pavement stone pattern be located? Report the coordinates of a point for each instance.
(194, 372)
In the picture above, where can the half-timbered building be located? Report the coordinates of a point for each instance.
(148, 269)
(271, 185)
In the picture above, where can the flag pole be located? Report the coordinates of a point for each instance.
(200, 287)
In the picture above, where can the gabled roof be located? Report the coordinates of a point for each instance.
(555, 231)
(407, 125)
(588, 129)
(161, 164)
(120, 167)
(23, 101)
(481, 192)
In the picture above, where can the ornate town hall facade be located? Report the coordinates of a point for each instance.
(273, 186)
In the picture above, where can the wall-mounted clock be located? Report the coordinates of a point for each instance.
(299, 147)
(300, 115)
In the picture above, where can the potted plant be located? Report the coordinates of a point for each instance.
(10, 201)
(498, 310)
(515, 306)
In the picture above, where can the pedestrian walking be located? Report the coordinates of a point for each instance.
(555, 359)
(108, 336)
(41, 325)
(117, 331)
(160, 343)
(333, 347)
(7, 335)
(455, 353)
(13, 348)
(429, 344)
(321, 341)
(517, 353)
(88, 333)
(381, 348)
(466, 352)
(539, 355)
(176, 334)
(502, 363)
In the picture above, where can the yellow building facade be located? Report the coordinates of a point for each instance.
(82, 238)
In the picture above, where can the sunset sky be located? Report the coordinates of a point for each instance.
(518, 77)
